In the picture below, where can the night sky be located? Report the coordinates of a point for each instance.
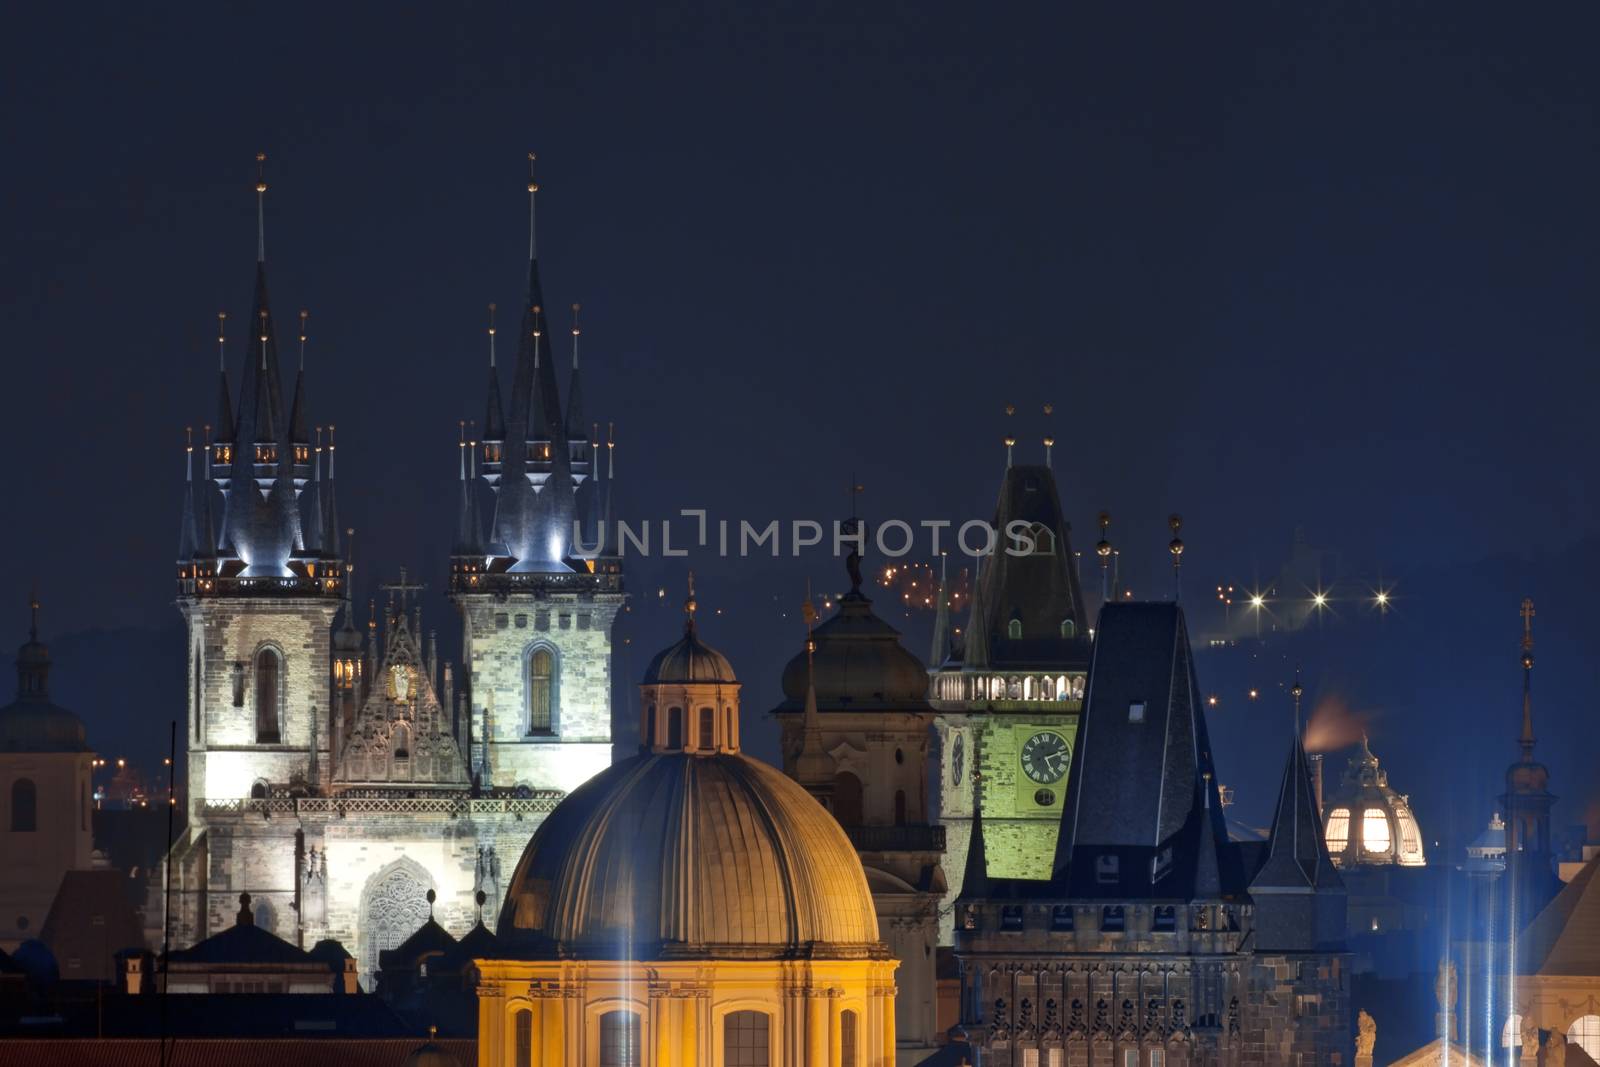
(1276, 266)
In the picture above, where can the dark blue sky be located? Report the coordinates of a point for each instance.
(1327, 265)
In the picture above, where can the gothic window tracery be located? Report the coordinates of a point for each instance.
(394, 907)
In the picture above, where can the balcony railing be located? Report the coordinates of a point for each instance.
(896, 838)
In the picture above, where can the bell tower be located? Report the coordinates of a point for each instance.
(536, 609)
(259, 580)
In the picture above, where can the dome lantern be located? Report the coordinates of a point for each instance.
(1367, 823)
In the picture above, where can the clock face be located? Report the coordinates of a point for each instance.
(958, 759)
(1045, 757)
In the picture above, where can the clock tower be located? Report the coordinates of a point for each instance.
(1009, 690)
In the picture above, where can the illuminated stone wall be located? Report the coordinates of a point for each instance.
(225, 636)
(500, 634)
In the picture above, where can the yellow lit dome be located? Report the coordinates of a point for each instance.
(686, 854)
(1367, 823)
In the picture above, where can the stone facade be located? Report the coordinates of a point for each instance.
(227, 638)
(1176, 986)
(501, 632)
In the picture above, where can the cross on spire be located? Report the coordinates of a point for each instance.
(261, 209)
(404, 588)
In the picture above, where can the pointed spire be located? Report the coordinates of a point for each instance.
(261, 207)
(1526, 739)
(494, 419)
(812, 765)
(1010, 438)
(575, 394)
(314, 510)
(1297, 857)
(297, 410)
(1175, 546)
(1049, 439)
(205, 528)
(188, 539)
(330, 522)
(940, 651)
(224, 394)
(975, 878)
(689, 607)
(467, 520)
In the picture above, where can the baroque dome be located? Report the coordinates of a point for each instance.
(689, 660)
(859, 663)
(685, 855)
(1367, 823)
(31, 723)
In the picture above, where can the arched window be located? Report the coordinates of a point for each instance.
(1069, 629)
(258, 791)
(24, 806)
(1585, 1033)
(746, 1039)
(899, 807)
(674, 728)
(541, 692)
(1375, 831)
(847, 799)
(269, 688)
(1014, 629)
(522, 1023)
(650, 725)
(394, 905)
(847, 1038)
(402, 741)
(1511, 1033)
(1338, 835)
(708, 728)
(619, 1039)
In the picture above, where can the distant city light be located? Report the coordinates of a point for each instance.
(1257, 601)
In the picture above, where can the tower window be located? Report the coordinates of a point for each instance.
(847, 1038)
(1165, 919)
(541, 691)
(708, 729)
(1136, 711)
(1061, 917)
(674, 728)
(1069, 629)
(747, 1039)
(1011, 917)
(1111, 918)
(1014, 629)
(269, 696)
(402, 742)
(24, 806)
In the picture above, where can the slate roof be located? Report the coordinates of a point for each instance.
(1039, 590)
(1296, 859)
(1143, 817)
(243, 942)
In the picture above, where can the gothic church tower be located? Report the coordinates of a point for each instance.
(536, 611)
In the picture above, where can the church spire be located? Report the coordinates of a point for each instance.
(467, 520)
(940, 650)
(812, 767)
(188, 538)
(314, 510)
(1526, 739)
(330, 523)
(205, 528)
(578, 444)
(299, 438)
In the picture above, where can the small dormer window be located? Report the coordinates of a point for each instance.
(1111, 919)
(1061, 917)
(1011, 917)
(1165, 919)
(1069, 629)
(1107, 869)
(1014, 629)
(1136, 711)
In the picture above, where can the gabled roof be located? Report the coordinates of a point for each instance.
(429, 939)
(243, 942)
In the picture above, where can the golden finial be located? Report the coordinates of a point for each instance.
(1049, 409)
(188, 438)
(689, 605)
(533, 186)
(261, 196)
(261, 172)
(1175, 546)
(575, 308)
(1011, 409)
(1103, 548)
(304, 314)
